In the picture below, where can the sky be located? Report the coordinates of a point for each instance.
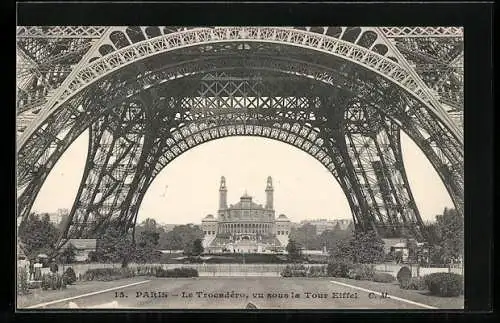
(187, 189)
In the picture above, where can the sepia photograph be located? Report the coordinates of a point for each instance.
(240, 167)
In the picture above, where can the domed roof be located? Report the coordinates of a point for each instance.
(246, 196)
(210, 216)
(282, 216)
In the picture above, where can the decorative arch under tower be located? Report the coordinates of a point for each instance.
(147, 94)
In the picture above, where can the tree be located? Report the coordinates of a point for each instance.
(342, 250)
(114, 246)
(306, 235)
(68, 254)
(450, 233)
(329, 238)
(431, 231)
(146, 248)
(181, 237)
(63, 222)
(38, 235)
(362, 247)
(368, 246)
(197, 248)
(92, 257)
(293, 250)
(351, 227)
(412, 246)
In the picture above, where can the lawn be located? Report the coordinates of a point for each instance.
(37, 296)
(420, 296)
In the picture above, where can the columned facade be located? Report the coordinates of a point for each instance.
(246, 226)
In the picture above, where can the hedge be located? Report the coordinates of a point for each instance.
(383, 278)
(317, 271)
(403, 276)
(294, 270)
(339, 268)
(53, 281)
(106, 274)
(416, 283)
(444, 284)
(361, 272)
(22, 281)
(70, 276)
(182, 272)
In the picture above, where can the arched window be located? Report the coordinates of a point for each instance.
(351, 34)
(135, 34)
(106, 49)
(152, 32)
(380, 49)
(119, 39)
(367, 39)
(334, 31)
(319, 30)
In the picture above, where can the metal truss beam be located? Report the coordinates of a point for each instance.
(60, 31)
(422, 32)
(378, 166)
(184, 116)
(115, 145)
(132, 53)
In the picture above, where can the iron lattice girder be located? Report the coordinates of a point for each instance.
(198, 131)
(435, 60)
(377, 161)
(60, 31)
(360, 88)
(422, 32)
(115, 60)
(51, 61)
(166, 148)
(114, 152)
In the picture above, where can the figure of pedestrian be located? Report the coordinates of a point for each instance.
(54, 268)
(32, 270)
(37, 269)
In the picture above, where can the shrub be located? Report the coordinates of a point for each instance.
(339, 268)
(361, 272)
(34, 284)
(22, 281)
(444, 284)
(294, 270)
(383, 278)
(53, 281)
(403, 276)
(183, 272)
(106, 274)
(416, 283)
(45, 282)
(70, 276)
(317, 271)
(145, 271)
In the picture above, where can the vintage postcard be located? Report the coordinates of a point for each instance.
(164, 167)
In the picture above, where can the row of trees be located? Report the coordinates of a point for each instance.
(39, 236)
(306, 236)
(144, 246)
(446, 242)
(357, 247)
(181, 237)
